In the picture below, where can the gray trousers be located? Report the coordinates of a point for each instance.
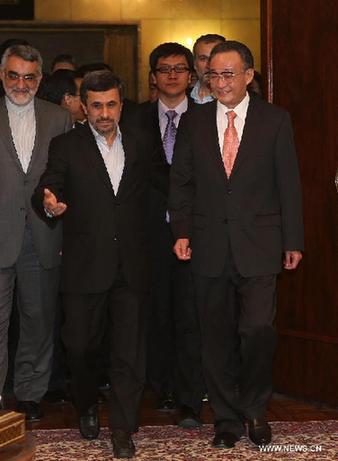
(37, 290)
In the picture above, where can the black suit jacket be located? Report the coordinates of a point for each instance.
(101, 230)
(158, 201)
(257, 210)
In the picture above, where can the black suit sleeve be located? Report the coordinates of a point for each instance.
(54, 176)
(289, 187)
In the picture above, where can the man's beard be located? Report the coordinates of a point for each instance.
(20, 97)
(111, 130)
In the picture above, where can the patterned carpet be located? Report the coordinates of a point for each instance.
(308, 441)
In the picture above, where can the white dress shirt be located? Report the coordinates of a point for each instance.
(163, 119)
(113, 156)
(222, 120)
(23, 126)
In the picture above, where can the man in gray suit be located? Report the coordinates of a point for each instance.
(29, 248)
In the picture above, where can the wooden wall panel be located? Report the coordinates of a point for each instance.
(120, 52)
(112, 43)
(299, 57)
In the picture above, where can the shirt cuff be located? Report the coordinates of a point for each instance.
(48, 213)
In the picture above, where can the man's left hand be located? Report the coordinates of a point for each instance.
(292, 259)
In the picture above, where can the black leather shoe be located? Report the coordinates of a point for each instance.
(123, 445)
(58, 396)
(166, 403)
(224, 440)
(259, 431)
(89, 423)
(31, 409)
(189, 419)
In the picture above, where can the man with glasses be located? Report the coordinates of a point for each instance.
(29, 248)
(235, 209)
(174, 364)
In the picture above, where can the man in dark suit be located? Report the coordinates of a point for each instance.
(97, 177)
(235, 207)
(174, 361)
(29, 249)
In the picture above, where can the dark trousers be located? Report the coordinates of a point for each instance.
(58, 377)
(86, 318)
(238, 342)
(36, 289)
(174, 344)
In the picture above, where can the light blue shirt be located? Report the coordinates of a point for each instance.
(195, 96)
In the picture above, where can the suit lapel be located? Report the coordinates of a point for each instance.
(157, 130)
(130, 152)
(249, 136)
(6, 136)
(210, 134)
(40, 132)
(94, 155)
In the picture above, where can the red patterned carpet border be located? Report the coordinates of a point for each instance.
(314, 440)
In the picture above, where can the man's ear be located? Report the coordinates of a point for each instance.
(249, 75)
(154, 77)
(84, 108)
(66, 99)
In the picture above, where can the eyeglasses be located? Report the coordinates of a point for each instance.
(178, 69)
(15, 77)
(224, 76)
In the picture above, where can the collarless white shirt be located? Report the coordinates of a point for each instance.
(23, 127)
(163, 119)
(113, 157)
(222, 120)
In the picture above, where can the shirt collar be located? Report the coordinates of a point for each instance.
(101, 138)
(240, 110)
(19, 109)
(195, 96)
(179, 109)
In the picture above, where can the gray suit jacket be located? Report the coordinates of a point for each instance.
(16, 187)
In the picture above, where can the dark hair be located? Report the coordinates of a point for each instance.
(83, 70)
(63, 58)
(170, 49)
(57, 85)
(207, 38)
(100, 80)
(232, 45)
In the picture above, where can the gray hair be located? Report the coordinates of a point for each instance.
(25, 52)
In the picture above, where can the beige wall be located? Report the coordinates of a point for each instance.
(164, 20)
